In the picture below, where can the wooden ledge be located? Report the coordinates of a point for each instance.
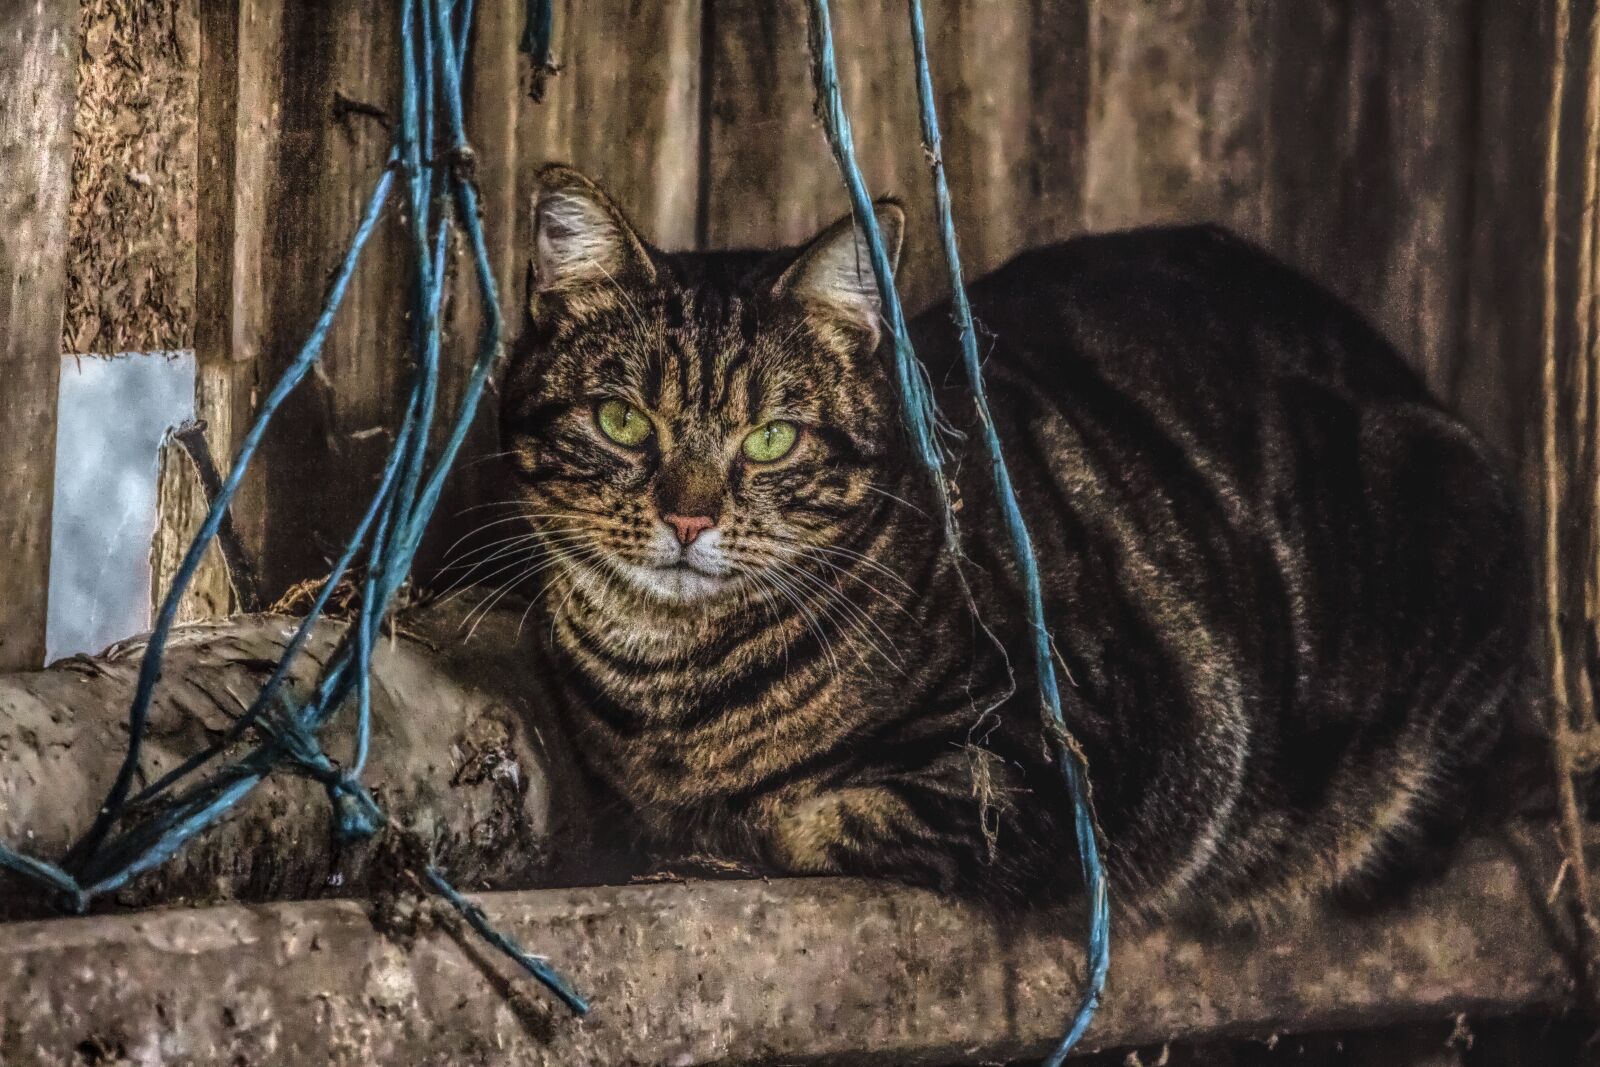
(809, 971)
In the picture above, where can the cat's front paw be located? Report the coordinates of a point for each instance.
(806, 835)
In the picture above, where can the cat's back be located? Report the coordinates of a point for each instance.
(1287, 584)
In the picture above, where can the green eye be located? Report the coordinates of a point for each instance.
(769, 443)
(622, 422)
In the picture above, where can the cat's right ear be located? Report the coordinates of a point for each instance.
(833, 275)
(581, 239)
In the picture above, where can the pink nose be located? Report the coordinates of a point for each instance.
(688, 527)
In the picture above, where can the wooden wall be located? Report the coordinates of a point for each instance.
(1391, 147)
(38, 72)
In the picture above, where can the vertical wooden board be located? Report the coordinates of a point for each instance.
(240, 100)
(131, 268)
(770, 178)
(625, 109)
(289, 193)
(1368, 172)
(1010, 86)
(1175, 117)
(1496, 380)
(182, 505)
(38, 72)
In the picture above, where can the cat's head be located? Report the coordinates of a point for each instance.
(689, 427)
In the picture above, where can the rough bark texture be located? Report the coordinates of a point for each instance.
(791, 971)
(38, 65)
(460, 754)
(131, 273)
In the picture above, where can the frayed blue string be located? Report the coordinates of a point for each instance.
(922, 421)
(164, 817)
(918, 409)
(1072, 769)
(534, 965)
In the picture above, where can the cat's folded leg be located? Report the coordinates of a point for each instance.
(930, 827)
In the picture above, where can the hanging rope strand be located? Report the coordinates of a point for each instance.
(1093, 871)
(1581, 453)
(918, 409)
(1560, 718)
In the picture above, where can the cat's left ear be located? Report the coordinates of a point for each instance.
(833, 274)
(581, 238)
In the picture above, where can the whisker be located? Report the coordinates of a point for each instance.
(516, 544)
(533, 555)
(454, 562)
(851, 615)
(488, 603)
(897, 499)
(845, 572)
(796, 597)
(588, 551)
(775, 548)
(757, 579)
(486, 526)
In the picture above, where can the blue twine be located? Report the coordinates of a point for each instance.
(537, 966)
(164, 817)
(1072, 767)
(918, 409)
(921, 417)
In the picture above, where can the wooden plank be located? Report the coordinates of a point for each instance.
(1335, 133)
(239, 103)
(1496, 382)
(321, 462)
(1175, 116)
(131, 267)
(181, 508)
(625, 109)
(1368, 180)
(38, 72)
(1011, 97)
(286, 170)
(793, 970)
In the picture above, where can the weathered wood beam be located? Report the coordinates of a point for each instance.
(460, 754)
(38, 72)
(813, 971)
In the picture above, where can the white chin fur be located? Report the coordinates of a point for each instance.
(674, 584)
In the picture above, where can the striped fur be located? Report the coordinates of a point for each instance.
(1290, 592)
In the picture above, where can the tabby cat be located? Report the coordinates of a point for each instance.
(1289, 591)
